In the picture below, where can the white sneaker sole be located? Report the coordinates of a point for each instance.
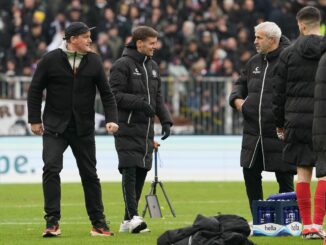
(52, 233)
(94, 233)
(145, 230)
(124, 230)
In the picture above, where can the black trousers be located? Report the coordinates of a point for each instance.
(253, 180)
(133, 180)
(83, 148)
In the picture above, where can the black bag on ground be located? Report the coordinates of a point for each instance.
(224, 229)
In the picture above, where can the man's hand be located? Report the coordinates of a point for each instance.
(238, 104)
(112, 127)
(280, 133)
(37, 128)
(166, 130)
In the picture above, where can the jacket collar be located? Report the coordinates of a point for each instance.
(284, 42)
(82, 62)
(274, 54)
(132, 52)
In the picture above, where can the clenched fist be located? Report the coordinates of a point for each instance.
(112, 127)
(37, 128)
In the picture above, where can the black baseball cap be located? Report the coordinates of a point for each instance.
(75, 29)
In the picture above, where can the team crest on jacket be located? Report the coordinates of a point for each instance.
(256, 71)
(136, 72)
(154, 73)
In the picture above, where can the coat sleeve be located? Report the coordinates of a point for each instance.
(240, 88)
(279, 89)
(161, 110)
(107, 97)
(119, 77)
(35, 92)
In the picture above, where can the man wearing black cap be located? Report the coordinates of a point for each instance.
(70, 76)
(136, 84)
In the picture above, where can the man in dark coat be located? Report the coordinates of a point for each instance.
(318, 129)
(293, 107)
(252, 95)
(136, 84)
(70, 76)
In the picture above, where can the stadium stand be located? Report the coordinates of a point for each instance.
(203, 45)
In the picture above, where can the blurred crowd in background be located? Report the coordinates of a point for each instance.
(203, 45)
(206, 37)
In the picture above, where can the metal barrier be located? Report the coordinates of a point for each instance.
(199, 105)
(14, 87)
(200, 102)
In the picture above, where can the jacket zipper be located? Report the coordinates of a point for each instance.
(74, 64)
(253, 155)
(260, 105)
(73, 85)
(149, 119)
(259, 121)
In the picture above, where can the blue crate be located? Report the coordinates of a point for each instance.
(276, 218)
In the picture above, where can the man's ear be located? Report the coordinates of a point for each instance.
(139, 44)
(302, 27)
(71, 39)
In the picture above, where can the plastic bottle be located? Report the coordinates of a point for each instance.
(261, 215)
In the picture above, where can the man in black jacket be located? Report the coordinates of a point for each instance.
(252, 95)
(70, 76)
(136, 83)
(293, 109)
(318, 128)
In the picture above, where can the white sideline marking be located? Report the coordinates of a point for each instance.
(81, 223)
(118, 203)
(41, 205)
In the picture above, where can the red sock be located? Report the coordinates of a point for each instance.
(319, 205)
(304, 202)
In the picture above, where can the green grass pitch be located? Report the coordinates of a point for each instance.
(21, 212)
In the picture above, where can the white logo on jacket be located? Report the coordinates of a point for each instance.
(256, 71)
(154, 73)
(136, 72)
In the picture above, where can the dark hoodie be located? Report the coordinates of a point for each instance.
(293, 98)
(319, 129)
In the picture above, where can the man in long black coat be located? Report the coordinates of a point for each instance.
(136, 83)
(293, 107)
(70, 76)
(252, 95)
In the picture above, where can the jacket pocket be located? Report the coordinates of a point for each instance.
(129, 117)
(243, 107)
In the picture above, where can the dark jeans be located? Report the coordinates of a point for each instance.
(83, 148)
(253, 180)
(133, 180)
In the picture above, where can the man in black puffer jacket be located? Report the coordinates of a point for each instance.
(252, 95)
(136, 84)
(318, 129)
(293, 109)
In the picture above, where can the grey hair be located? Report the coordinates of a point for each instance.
(270, 28)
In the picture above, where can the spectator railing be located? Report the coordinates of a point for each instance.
(199, 105)
(201, 102)
(14, 87)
